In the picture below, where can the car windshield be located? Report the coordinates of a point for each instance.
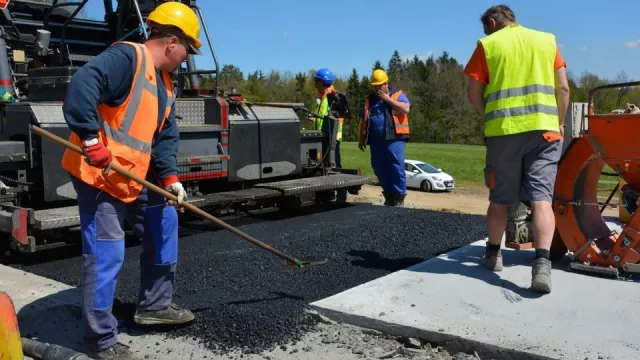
(427, 168)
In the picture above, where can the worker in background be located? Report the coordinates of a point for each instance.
(329, 101)
(384, 126)
(518, 81)
(120, 108)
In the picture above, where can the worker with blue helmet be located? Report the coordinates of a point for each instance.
(329, 100)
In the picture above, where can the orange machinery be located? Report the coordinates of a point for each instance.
(612, 139)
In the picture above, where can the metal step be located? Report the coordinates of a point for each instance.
(65, 217)
(319, 183)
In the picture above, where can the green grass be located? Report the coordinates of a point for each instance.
(464, 162)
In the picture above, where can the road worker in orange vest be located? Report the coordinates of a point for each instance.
(384, 126)
(120, 108)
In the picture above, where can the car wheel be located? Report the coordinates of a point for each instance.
(425, 186)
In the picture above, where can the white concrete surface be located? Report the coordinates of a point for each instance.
(452, 297)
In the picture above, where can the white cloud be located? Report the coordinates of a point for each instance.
(632, 44)
(583, 49)
(422, 57)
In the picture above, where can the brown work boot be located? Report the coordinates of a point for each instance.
(541, 275)
(493, 260)
(172, 315)
(117, 351)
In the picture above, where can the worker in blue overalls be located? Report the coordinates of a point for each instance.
(120, 108)
(384, 125)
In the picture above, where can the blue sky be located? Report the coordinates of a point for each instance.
(287, 35)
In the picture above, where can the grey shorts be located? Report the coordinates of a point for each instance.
(522, 167)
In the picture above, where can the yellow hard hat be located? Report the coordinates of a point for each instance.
(379, 77)
(181, 16)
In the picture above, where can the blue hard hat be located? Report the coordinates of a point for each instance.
(325, 75)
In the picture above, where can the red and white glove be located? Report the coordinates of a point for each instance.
(96, 154)
(172, 185)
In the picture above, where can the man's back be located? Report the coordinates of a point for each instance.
(517, 52)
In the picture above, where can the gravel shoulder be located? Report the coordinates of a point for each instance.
(465, 200)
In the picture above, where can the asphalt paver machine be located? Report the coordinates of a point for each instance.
(234, 155)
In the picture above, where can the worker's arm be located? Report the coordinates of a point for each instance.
(562, 89)
(107, 79)
(165, 151)
(478, 73)
(475, 91)
(401, 105)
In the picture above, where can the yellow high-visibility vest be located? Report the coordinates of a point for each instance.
(322, 108)
(520, 96)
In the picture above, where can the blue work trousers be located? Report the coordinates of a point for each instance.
(387, 160)
(102, 226)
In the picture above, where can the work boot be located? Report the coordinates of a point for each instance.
(493, 260)
(396, 200)
(115, 352)
(172, 315)
(541, 275)
(387, 198)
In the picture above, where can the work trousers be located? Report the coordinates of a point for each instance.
(102, 227)
(387, 160)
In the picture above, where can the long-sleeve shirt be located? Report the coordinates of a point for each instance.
(107, 79)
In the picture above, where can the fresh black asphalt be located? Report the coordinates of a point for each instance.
(241, 295)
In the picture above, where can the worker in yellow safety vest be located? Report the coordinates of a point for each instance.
(329, 100)
(384, 125)
(518, 82)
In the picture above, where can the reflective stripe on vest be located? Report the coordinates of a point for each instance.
(400, 121)
(126, 131)
(121, 134)
(520, 96)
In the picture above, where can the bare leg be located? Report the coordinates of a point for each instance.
(496, 224)
(544, 224)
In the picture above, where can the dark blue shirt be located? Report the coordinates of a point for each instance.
(107, 79)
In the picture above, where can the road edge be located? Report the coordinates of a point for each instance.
(451, 343)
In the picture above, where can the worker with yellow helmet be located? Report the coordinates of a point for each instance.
(120, 108)
(384, 125)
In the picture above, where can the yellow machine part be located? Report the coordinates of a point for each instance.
(10, 342)
(623, 214)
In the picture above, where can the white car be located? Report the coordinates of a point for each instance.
(425, 177)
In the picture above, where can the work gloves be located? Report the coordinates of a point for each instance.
(96, 154)
(172, 185)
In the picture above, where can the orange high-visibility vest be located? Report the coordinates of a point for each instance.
(400, 121)
(127, 130)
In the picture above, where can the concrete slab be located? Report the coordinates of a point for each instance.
(49, 311)
(451, 297)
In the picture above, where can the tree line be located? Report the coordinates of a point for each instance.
(436, 88)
